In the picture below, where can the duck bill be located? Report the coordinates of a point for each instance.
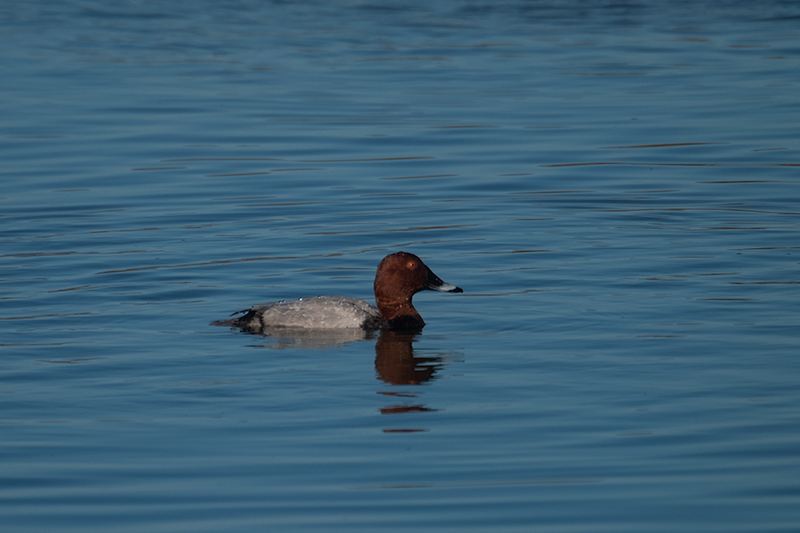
(435, 283)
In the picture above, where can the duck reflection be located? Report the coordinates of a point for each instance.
(396, 363)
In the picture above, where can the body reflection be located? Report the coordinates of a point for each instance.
(313, 338)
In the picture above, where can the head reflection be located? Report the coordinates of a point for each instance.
(395, 361)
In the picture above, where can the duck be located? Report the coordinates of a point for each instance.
(398, 278)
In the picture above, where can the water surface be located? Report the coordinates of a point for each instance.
(615, 186)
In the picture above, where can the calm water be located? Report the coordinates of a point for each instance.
(616, 186)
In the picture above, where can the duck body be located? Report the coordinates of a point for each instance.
(399, 276)
(319, 312)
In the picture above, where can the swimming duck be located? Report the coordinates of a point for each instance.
(399, 277)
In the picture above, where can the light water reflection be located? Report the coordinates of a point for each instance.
(313, 338)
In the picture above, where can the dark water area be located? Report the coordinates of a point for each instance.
(616, 187)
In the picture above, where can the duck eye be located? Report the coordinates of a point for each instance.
(412, 264)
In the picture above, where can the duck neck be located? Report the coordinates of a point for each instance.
(399, 315)
(405, 323)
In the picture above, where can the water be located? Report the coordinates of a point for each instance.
(615, 186)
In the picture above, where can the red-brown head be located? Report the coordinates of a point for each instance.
(399, 277)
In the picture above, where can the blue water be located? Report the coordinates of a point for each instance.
(616, 186)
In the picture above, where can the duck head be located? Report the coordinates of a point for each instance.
(399, 277)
